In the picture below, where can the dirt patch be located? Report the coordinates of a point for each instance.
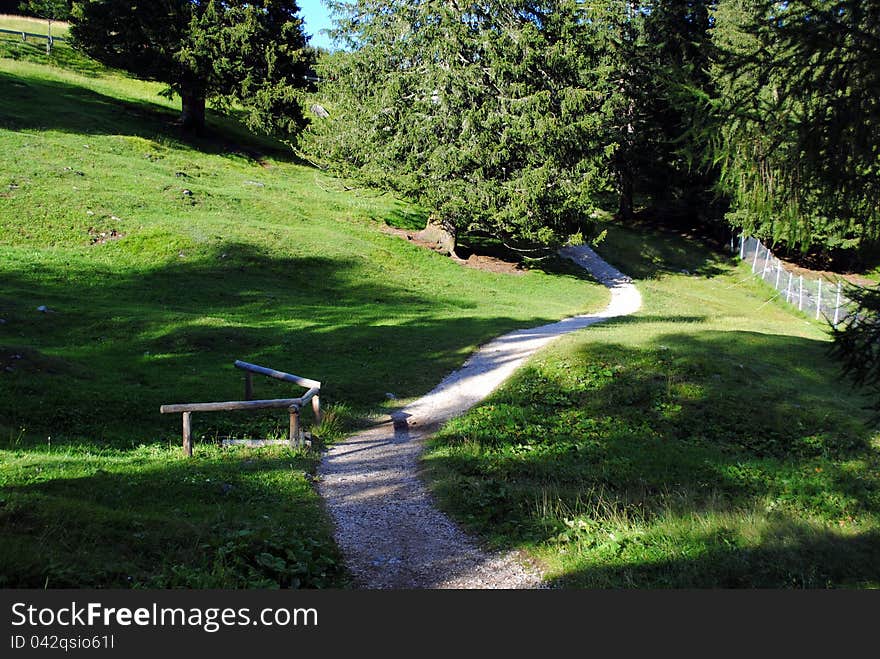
(826, 274)
(100, 237)
(475, 261)
(492, 264)
(27, 360)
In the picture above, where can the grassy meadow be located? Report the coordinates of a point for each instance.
(135, 267)
(707, 441)
(33, 25)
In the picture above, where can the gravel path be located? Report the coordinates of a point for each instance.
(386, 524)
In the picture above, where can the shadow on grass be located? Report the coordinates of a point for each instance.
(62, 55)
(653, 254)
(115, 345)
(39, 104)
(234, 520)
(642, 443)
(794, 556)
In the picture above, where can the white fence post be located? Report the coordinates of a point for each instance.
(819, 299)
(755, 260)
(788, 290)
(778, 272)
(837, 305)
(801, 296)
(742, 247)
(766, 264)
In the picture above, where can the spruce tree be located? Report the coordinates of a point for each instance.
(253, 54)
(795, 127)
(490, 115)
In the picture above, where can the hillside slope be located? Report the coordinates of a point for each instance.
(706, 441)
(135, 266)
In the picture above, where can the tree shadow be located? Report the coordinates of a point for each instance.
(740, 432)
(39, 104)
(232, 519)
(114, 346)
(62, 55)
(649, 253)
(794, 556)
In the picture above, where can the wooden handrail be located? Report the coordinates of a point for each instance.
(274, 403)
(293, 405)
(278, 375)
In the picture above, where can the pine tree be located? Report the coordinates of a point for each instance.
(253, 54)
(490, 115)
(796, 130)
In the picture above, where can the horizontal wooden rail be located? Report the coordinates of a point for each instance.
(293, 405)
(278, 375)
(274, 403)
(23, 34)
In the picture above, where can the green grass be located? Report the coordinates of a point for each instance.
(149, 518)
(153, 292)
(33, 25)
(706, 441)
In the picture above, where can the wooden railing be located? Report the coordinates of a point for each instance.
(293, 405)
(24, 35)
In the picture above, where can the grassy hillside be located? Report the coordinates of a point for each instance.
(33, 25)
(706, 441)
(135, 266)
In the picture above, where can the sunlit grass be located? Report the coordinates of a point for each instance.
(33, 25)
(706, 441)
(135, 266)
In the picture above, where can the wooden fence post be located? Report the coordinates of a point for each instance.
(248, 386)
(316, 408)
(187, 435)
(294, 426)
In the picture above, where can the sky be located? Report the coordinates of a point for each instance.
(317, 18)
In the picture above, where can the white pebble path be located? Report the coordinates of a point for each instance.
(390, 532)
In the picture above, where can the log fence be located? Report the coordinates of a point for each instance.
(294, 406)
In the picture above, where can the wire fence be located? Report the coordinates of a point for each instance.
(818, 298)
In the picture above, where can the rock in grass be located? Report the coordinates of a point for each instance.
(43, 308)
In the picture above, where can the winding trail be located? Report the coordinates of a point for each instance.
(386, 524)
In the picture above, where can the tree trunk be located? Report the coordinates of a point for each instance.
(192, 112)
(441, 233)
(625, 189)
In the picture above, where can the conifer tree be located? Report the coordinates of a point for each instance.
(489, 114)
(796, 129)
(253, 54)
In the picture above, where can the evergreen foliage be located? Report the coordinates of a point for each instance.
(490, 115)
(857, 341)
(795, 127)
(521, 119)
(253, 54)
